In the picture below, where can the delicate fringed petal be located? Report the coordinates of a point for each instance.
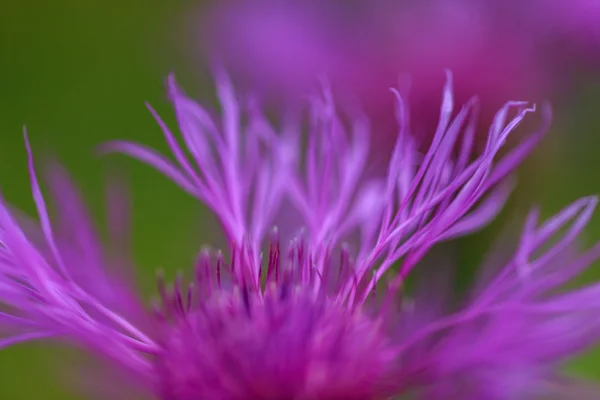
(243, 171)
(306, 328)
(449, 193)
(52, 287)
(335, 159)
(507, 339)
(105, 275)
(238, 169)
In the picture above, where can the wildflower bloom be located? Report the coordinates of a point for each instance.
(305, 321)
(282, 46)
(497, 49)
(573, 23)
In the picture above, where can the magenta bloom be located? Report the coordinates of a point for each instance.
(496, 49)
(314, 317)
(363, 45)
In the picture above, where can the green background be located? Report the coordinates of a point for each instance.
(77, 73)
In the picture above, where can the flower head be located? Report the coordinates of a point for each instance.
(362, 46)
(496, 49)
(317, 318)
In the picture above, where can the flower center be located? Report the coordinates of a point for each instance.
(285, 343)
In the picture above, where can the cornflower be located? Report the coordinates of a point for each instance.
(315, 318)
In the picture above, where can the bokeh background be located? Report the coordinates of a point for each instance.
(77, 74)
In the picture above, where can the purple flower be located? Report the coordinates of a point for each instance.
(282, 46)
(323, 316)
(496, 49)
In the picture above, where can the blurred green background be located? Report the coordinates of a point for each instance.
(77, 73)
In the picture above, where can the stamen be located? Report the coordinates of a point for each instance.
(233, 257)
(246, 299)
(190, 296)
(177, 295)
(219, 263)
(274, 257)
